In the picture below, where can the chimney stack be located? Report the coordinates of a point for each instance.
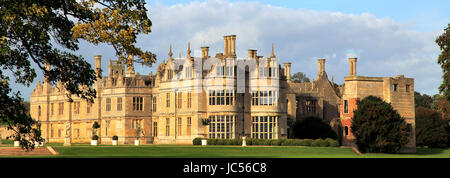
(225, 45)
(352, 66)
(287, 71)
(233, 45)
(47, 85)
(321, 67)
(205, 51)
(252, 54)
(98, 67)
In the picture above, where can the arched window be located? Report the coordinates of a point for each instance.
(346, 130)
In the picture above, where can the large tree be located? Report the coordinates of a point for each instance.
(444, 60)
(48, 32)
(430, 128)
(377, 127)
(422, 100)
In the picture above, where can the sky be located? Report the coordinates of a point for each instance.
(389, 38)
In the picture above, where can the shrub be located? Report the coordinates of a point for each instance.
(390, 128)
(333, 143)
(313, 128)
(115, 137)
(249, 141)
(211, 141)
(275, 142)
(288, 142)
(324, 143)
(94, 137)
(197, 141)
(319, 143)
(307, 142)
(281, 141)
(304, 142)
(220, 142)
(237, 141)
(95, 125)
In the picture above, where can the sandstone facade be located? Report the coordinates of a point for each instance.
(399, 91)
(219, 99)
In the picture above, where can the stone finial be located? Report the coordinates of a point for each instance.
(272, 55)
(189, 51)
(170, 54)
(170, 51)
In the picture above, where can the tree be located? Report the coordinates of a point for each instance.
(444, 60)
(299, 77)
(30, 28)
(422, 100)
(313, 128)
(377, 127)
(441, 105)
(430, 128)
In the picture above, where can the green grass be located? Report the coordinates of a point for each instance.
(204, 152)
(177, 151)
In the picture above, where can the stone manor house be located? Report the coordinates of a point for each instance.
(182, 101)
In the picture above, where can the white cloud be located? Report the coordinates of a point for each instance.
(383, 46)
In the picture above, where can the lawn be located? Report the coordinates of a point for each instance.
(205, 152)
(177, 151)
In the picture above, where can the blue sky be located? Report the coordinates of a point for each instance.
(423, 14)
(389, 38)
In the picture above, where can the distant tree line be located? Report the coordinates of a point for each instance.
(432, 120)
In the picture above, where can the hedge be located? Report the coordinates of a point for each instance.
(271, 142)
